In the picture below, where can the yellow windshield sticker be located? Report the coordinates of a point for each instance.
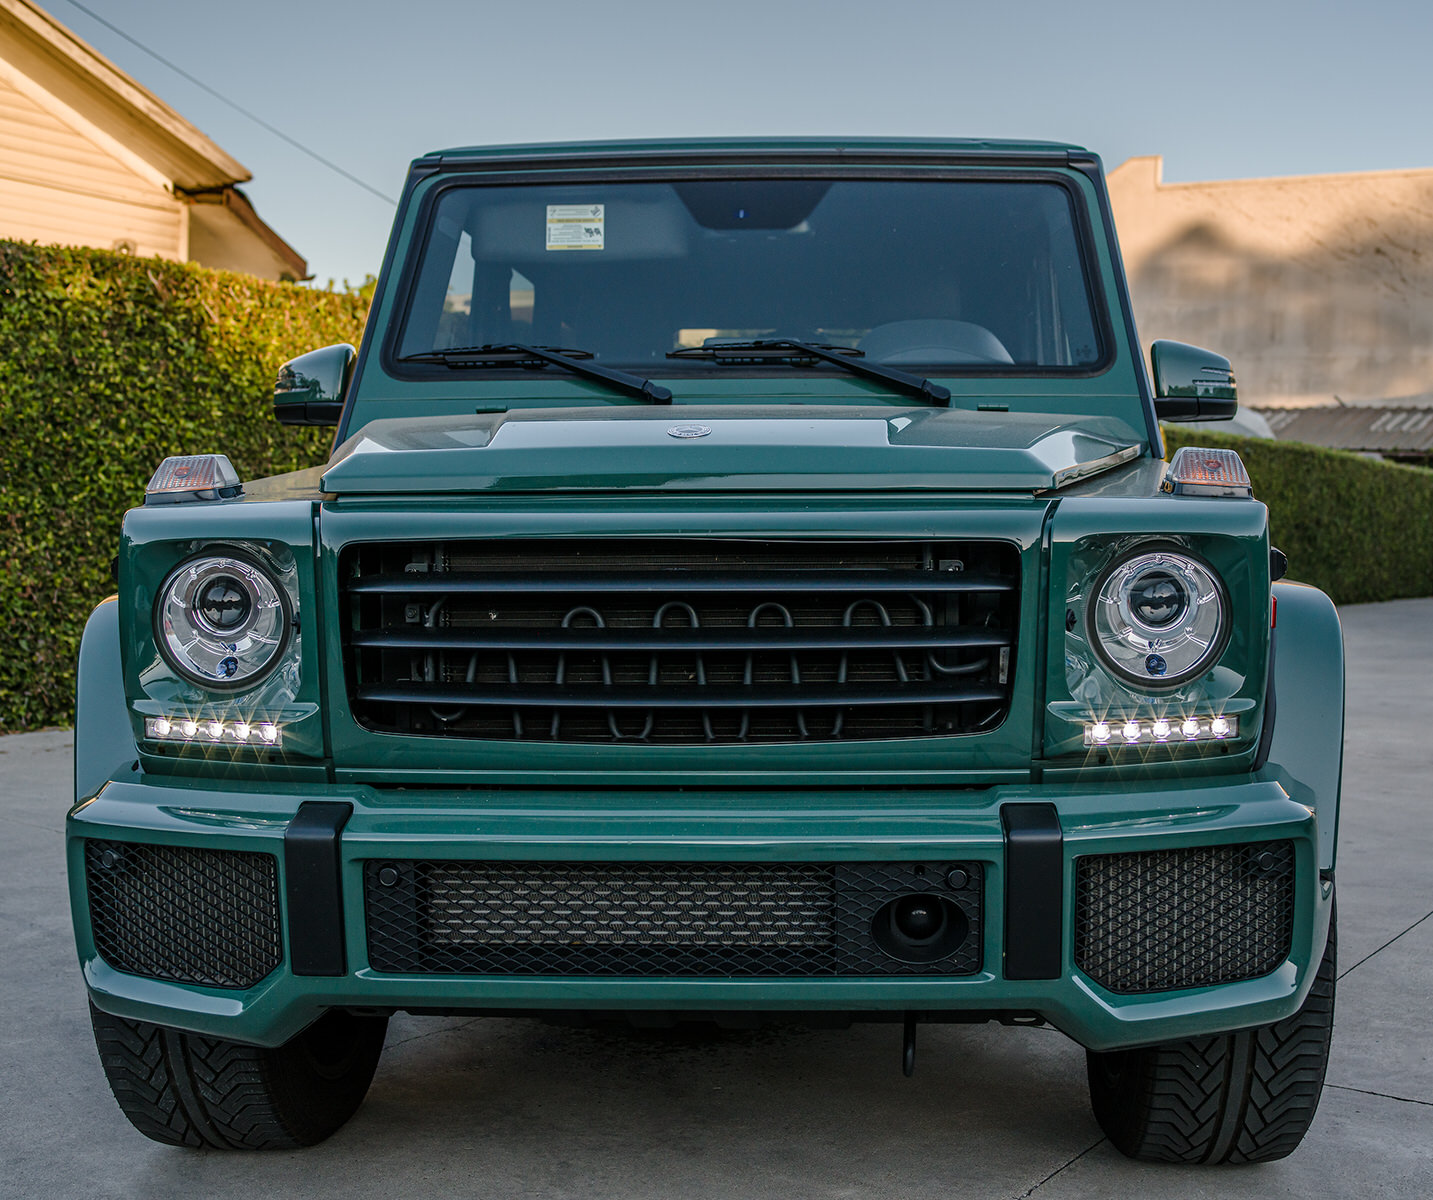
(575, 226)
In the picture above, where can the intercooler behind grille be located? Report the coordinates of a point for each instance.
(1165, 919)
(680, 642)
(654, 919)
(182, 914)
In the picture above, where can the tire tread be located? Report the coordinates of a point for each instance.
(1246, 1097)
(248, 1097)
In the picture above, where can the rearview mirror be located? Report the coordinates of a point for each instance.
(1191, 384)
(309, 389)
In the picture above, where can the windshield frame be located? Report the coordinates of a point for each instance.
(406, 284)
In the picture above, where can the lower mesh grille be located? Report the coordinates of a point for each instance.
(185, 915)
(1165, 919)
(654, 919)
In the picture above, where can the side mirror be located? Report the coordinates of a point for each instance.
(1191, 384)
(309, 389)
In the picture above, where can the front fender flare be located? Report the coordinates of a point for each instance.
(104, 740)
(1306, 751)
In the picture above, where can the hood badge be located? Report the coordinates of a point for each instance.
(689, 431)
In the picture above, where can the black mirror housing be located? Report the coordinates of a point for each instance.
(1191, 384)
(309, 389)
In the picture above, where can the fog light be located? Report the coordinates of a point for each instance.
(918, 918)
(920, 928)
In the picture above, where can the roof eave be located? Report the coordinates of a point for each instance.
(180, 150)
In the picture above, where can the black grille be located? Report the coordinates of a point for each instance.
(655, 919)
(189, 916)
(1164, 919)
(680, 642)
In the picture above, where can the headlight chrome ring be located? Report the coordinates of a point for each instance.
(222, 621)
(1158, 618)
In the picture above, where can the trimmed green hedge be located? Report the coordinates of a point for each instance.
(1359, 528)
(109, 363)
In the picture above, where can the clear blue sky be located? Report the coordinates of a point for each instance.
(1221, 89)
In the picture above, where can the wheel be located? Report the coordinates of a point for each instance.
(189, 1090)
(1233, 1098)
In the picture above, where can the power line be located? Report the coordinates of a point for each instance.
(239, 108)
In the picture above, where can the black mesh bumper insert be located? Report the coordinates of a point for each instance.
(1165, 919)
(185, 915)
(653, 919)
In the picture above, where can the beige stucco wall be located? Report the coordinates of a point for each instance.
(1313, 286)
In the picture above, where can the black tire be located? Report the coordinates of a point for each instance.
(1244, 1097)
(188, 1090)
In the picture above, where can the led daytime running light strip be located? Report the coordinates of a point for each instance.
(1161, 732)
(208, 732)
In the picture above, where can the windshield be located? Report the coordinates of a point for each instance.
(968, 275)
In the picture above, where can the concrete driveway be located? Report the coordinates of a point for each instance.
(497, 1108)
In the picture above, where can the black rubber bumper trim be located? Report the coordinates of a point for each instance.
(313, 888)
(1034, 891)
(1271, 711)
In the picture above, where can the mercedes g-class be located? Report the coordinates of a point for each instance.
(747, 583)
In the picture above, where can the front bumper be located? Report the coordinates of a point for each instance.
(746, 827)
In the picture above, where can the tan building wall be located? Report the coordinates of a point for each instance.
(90, 158)
(60, 183)
(1313, 286)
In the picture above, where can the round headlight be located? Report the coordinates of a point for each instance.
(222, 621)
(1158, 619)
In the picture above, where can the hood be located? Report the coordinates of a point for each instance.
(728, 448)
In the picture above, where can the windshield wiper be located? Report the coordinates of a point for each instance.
(519, 354)
(784, 349)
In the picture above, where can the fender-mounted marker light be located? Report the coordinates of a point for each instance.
(193, 477)
(1199, 472)
(1101, 734)
(227, 733)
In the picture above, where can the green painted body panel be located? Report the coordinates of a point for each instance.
(1306, 754)
(1062, 469)
(104, 745)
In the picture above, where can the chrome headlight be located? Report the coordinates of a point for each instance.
(222, 621)
(1159, 618)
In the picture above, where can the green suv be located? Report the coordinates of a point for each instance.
(747, 584)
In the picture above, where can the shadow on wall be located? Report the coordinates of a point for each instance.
(1352, 317)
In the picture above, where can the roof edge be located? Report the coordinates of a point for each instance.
(242, 207)
(673, 147)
